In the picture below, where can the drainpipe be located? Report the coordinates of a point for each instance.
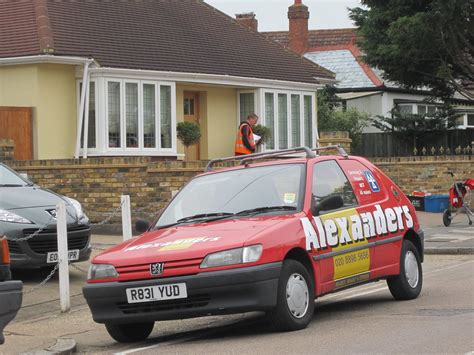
(86, 122)
(80, 113)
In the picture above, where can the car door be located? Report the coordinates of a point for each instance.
(342, 257)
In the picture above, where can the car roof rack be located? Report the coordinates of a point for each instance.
(245, 159)
(340, 150)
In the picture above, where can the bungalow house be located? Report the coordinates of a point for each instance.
(358, 85)
(113, 78)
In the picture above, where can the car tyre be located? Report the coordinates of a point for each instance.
(295, 298)
(129, 333)
(447, 218)
(407, 285)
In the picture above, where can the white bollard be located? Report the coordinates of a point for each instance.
(63, 257)
(126, 217)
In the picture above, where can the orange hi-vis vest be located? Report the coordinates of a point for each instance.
(240, 148)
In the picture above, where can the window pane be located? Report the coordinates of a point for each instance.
(470, 120)
(295, 121)
(131, 114)
(329, 180)
(149, 119)
(165, 115)
(282, 121)
(431, 109)
(270, 118)
(113, 93)
(91, 141)
(186, 106)
(247, 105)
(405, 109)
(421, 109)
(308, 122)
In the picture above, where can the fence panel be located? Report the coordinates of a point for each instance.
(452, 142)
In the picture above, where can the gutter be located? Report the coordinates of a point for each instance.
(45, 58)
(210, 78)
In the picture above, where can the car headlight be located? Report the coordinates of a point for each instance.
(101, 271)
(243, 255)
(7, 216)
(77, 206)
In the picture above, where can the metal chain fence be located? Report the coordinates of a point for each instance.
(42, 283)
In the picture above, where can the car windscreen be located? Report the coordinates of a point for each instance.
(232, 192)
(10, 178)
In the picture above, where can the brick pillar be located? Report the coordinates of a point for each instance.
(248, 20)
(7, 148)
(336, 138)
(298, 15)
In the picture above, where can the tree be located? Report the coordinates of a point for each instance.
(188, 133)
(419, 42)
(331, 117)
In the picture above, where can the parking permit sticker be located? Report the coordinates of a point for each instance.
(289, 197)
(374, 186)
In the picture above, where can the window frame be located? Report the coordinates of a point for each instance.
(97, 113)
(102, 117)
(312, 111)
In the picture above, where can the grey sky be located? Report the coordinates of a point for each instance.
(272, 14)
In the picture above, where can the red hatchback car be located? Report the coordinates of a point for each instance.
(266, 236)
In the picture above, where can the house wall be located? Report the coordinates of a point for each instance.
(370, 104)
(218, 118)
(50, 90)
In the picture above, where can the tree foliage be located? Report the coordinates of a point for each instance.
(331, 117)
(411, 127)
(264, 132)
(188, 133)
(419, 42)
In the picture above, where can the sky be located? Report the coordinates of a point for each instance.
(272, 15)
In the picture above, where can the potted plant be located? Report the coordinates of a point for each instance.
(188, 133)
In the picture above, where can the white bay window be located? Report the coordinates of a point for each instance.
(290, 117)
(130, 117)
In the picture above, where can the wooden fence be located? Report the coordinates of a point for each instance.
(453, 142)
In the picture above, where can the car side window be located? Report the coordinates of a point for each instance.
(329, 181)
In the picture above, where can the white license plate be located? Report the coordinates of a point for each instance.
(156, 293)
(53, 256)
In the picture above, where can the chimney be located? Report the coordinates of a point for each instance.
(298, 15)
(248, 20)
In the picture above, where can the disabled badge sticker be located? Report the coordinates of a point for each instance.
(374, 186)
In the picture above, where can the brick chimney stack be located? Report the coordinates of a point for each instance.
(248, 20)
(298, 15)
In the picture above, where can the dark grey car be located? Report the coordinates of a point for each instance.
(25, 209)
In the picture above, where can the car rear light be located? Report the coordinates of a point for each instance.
(4, 251)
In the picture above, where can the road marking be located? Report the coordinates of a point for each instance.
(367, 291)
(450, 236)
(463, 231)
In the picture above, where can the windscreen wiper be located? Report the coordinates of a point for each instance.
(216, 215)
(265, 209)
(11, 185)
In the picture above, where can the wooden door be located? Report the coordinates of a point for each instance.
(15, 123)
(191, 114)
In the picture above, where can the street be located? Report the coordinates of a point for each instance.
(362, 319)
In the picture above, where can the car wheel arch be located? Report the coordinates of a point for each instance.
(412, 236)
(301, 255)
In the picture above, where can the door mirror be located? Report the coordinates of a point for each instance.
(141, 226)
(327, 204)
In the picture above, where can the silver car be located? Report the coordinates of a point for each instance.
(28, 220)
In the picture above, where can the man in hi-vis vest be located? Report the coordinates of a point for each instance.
(245, 141)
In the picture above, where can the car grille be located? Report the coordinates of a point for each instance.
(160, 306)
(46, 241)
(14, 247)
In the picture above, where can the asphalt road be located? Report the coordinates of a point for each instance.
(364, 319)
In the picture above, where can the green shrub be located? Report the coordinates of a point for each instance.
(263, 132)
(188, 133)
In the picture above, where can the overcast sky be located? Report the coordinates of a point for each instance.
(272, 15)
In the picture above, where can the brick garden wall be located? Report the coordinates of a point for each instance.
(98, 182)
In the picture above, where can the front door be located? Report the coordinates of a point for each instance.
(191, 114)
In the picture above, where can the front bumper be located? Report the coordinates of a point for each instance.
(32, 253)
(11, 297)
(209, 293)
